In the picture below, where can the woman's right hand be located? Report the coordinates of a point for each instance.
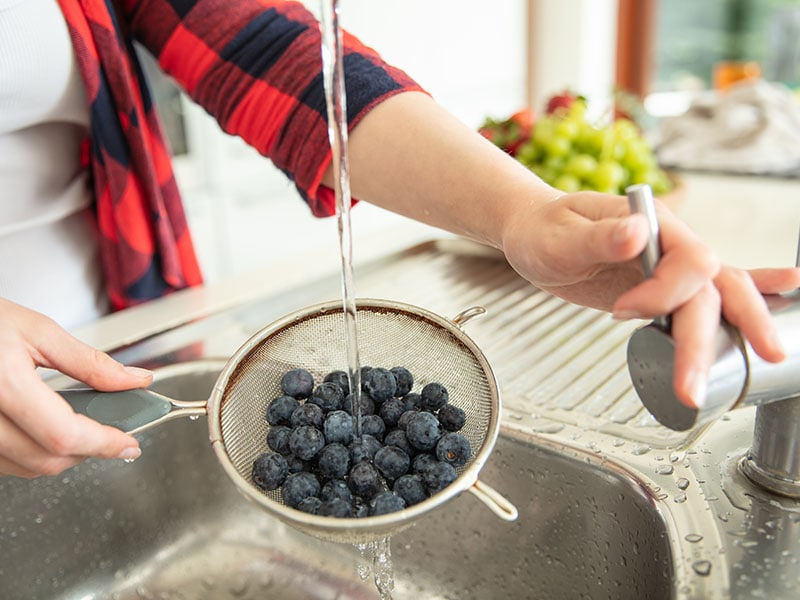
(40, 434)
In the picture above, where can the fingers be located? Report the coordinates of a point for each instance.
(685, 267)
(775, 281)
(39, 431)
(694, 329)
(53, 429)
(744, 307)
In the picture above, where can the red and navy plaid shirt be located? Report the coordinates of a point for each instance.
(253, 64)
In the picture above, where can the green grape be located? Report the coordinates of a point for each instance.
(557, 146)
(609, 175)
(638, 156)
(568, 128)
(567, 183)
(581, 165)
(528, 153)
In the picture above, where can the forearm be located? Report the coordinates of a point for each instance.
(412, 157)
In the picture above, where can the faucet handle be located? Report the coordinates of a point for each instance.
(640, 199)
(651, 349)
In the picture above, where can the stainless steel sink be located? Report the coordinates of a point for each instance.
(612, 505)
(172, 526)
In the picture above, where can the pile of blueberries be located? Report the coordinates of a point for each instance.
(409, 447)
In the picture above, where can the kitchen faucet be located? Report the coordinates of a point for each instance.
(738, 378)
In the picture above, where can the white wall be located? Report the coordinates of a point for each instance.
(573, 45)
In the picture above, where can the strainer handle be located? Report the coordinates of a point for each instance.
(129, 410)
(496, 502)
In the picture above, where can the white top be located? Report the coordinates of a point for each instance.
(48, 239)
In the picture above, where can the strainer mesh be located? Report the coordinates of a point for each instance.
(387, 337)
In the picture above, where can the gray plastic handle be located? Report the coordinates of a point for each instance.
(129, 410)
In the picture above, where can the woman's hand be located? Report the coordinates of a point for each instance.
(40, 434)
(584, 247)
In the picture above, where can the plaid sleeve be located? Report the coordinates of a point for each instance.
(256, 66)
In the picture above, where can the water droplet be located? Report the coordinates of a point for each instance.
(194, 417)
(547, 427)
(617, 443)
(665, 469)
(702, 567)
(640, 449)
(693, 538)
(682, 483)
(680, 498)
(128, 460)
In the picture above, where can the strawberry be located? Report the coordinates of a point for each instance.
(561, 101)
(509, 134)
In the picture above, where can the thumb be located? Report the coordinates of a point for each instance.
(615, 240)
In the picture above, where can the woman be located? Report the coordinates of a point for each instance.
(88, 176)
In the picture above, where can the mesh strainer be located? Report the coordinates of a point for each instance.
(390, 334)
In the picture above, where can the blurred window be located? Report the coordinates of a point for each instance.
(670, 48)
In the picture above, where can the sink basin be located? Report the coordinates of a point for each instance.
(172, 526)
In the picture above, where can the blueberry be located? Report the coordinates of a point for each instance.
(333, 461)
(298, 487)
(404, 379)
(434, 396)
(392, 462)
(451, 417)
(423, 430)
(305, 441)
(269, 471)
(328, 396)
(307, 414)
(338, 427)
(373, 425)
(438, 476)
(380, 384)
(336, 507)
(339, 378)
(386, 502)
(453, 448)
(398, 437)
(310, 505)
(296, 464)
(402, 422)
(364, 449)
(364, 480)
(297, 383)
(280, 409)
(422, 462)
(410, 488)
(413, 401)
(391, 410)
(367, 404)
(336, 488)
(278, 439)
(363, 372)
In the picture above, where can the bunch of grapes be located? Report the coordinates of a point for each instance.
(571, 153)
